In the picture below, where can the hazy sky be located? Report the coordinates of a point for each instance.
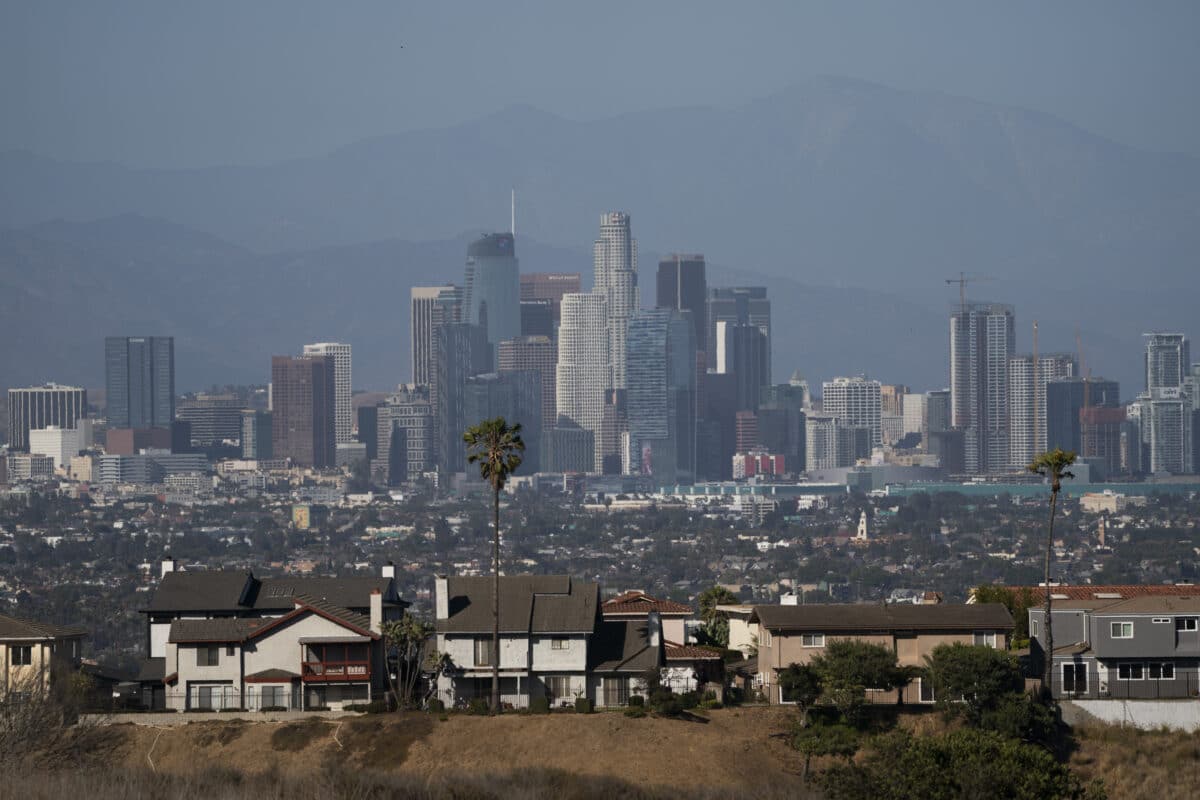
(195, 83)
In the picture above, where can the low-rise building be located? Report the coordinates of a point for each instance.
(35, 654)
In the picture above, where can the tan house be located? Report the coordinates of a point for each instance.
(796, 634)
(32, 654)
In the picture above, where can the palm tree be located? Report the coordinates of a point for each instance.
(1052, 464)
(496, 446)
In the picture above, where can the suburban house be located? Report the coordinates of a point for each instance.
(1141, 647)
(34, 654)
(225, 639)
(794, 634)
(687, 667)
(554, 642)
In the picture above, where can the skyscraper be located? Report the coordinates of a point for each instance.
(740, 305)
(302, 420)
(982, 337)
(582, 370)
(40, 407)
(1027, 410)
(1066, 399)
(1168, 359)
(1164, 410)
(682, 285)
(661, 395)
(742, 352)
(615, 260)
(536, 353)
(550, 286)
(856, 403)
(461, 350)
(140, 381)
(516, 396)
(431, 306)
(404, 435)
(343, 413)
(492, 289)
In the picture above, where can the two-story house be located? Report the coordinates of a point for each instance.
(1143, 647)
(221, 639)
(554, 642)
(687, 667)
(795, 634)
(34, 654)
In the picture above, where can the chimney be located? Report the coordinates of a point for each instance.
(168, 565)
(441, 601)
(376, 611)
(654, 629)
(389, 570)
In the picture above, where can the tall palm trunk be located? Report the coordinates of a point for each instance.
(495, 600)
(1048, 659)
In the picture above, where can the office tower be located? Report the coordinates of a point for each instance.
(781, 418)
(568, 448)
(61, 444)
(681, 285)
(140, 381)
(829, 442)
(938, 414)
(302, 422)
(856, 402)
(537, 318)
(914, 410)
(742, 351)
(661, 395)
(982, 337)
(745, 426)
(461, 350)
(131, 441)
(492, 289)
(615, 261)
(431, 306)
(1168, 359)
(1027, 412)
(1100, 438)
(517, 397)
(404, 435)
(256, 435)
(582, 371)
(40, 407)
(739, 305)
(717, 432)
(1165, 417)
(550, 286)
(537, 353)
(614, 434)
(343, 412)
(1066, 398)
(214, 420)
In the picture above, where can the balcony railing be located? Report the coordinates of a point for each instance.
(336, 670)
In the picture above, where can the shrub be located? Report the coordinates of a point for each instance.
(317, 708)
(540, 705)
(373, 707)
(669, 707)
(689, 700)
(437, 705)
(199, 710)
(232, 710)
(711, 704)
(824, 740)
(635, 712)
(355, 708)
(478, 706)
(266, 709)
(709, 695)
(443, 717)
(583, 705)
(636, 701)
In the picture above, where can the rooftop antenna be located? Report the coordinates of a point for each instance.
(512, 225)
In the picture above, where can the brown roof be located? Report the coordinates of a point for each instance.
(1122, 591)
(528, 604)
(687, 652)
(865, 616)
(268, 675)
(621, 646)
(640, 604)
(18, 628)
(241, 629)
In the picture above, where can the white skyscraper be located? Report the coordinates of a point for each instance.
(982, 337)
(856, 402)
(615, 258)
(343, 418)
(583, 351)
(1027, 403)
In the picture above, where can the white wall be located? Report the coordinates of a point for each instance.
(547, 659)
(1182, 715)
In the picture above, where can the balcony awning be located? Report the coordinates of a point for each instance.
(349, 638)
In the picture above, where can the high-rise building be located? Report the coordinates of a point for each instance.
(537, 318)
(302, 422)
(1168, 359)
(256, 435)
(661, 395)
(1166, 420)
(1027, 410)
(40, 407)
(614, 433)
(517, 397)
(982, 337)
(214, 420)
(829, 442)
(615, 258)
(742, 351)
(140, 381)
(1100, 438)
(582, 371)
(1066, 398)
(682, 285)
(537, 353)
(492, 288)
(461, 350)
(739, 305)
(343, 412)
(891, 399)
(404, 435)
(568, 448)
(61, 444)
(550, 286)
(914, 411)
(431, 306)
(856, 402)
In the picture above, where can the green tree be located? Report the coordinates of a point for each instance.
(824, 740)
(1017, 601)
(716, 623)
(800, 684)
(496, 447)
(1052, 464)
(407, 641)
(970, 679)
(848, 667)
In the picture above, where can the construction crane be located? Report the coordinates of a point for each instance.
(962, 280)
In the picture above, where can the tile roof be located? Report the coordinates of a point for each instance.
(621, 646)
(866, 616)
(1122, 591)
(640, 603)
(687, 652)
(18, 628)
(528, 604)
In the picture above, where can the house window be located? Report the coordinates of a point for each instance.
(1186, 623)
(1162, 672)
(1131, 672)
(616, 691)
(229, 651)
(926, 690)
(1033, 628)
(812, 640)
(1074, 678)
(985, 638)
(205, 696)
(558, 687)
(22, 656)
(1121, 630)
(273, 696)
(766, 637)
(209, 656)
(1160, 620)
(483, 653)
(560, 644)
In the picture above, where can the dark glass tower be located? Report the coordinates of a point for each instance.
(140, 379)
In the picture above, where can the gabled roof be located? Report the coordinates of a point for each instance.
(637, 603)
(687, 652)
(1121, 591)
(225, 590)
(529, 604)
(241, 629)
(622, 646)
(18, 628)
(864, 617)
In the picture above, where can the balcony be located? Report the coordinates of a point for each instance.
(330, 671)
